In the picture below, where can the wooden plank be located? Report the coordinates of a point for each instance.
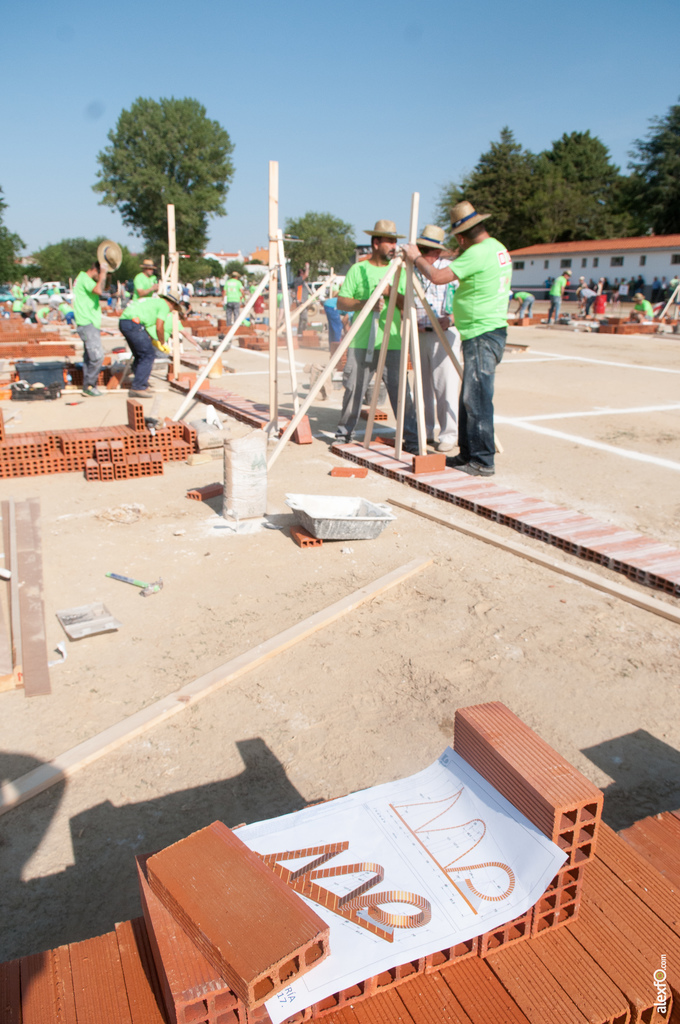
(648, 604)
(14, 793)
(9, 524)
(36, 674)
(273, 224)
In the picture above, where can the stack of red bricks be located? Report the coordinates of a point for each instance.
(104, 453)
(222, 933)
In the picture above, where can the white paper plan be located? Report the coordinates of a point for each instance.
(410, 868)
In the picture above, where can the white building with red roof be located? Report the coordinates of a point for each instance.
(224, 257)
(625, 259)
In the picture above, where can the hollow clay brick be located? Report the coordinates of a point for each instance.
(105, 470)
(98, 982)
(380, 415)
(47, 995)
(135, 413)
(303, 538)
(640, 876)
(251, 926)
(533, 987)
(620, 960)
(358, 471)
(517, 930)
(579, 975)
(658, 839)
(206, 492)
(145, 997)
(192, 989)
(303, 432)
(10, 993)
(433, 463)
(429, 1000)
(537, 780)
(481, 994)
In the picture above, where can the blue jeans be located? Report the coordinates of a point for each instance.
(143, 352)
(93, 353)
(555, 303)
(527, 307)
(481, 355)
(357, 374)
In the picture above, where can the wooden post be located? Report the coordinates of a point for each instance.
(273, 425)
(668, 305)
(174, 284)
(382, 357)
(409, 342)
(335, 359)
(285, 299)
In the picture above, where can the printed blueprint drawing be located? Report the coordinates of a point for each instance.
(404, 869)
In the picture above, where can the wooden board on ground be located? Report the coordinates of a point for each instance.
(36, 674)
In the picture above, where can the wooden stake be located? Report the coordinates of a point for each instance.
(410, 311)
(285, 301)
(273, 425)
(29, 785)
(406, 333)
(649, 604)
(174, 284)
(382, 357)
(334, 360)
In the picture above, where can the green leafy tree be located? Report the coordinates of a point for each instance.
(10, 249)
(578, 191)
(500, 184)
(325, 242)
(198, 269)
(166, 152)
(653, 193)
(235, 267)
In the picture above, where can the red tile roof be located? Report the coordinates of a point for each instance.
(600, 245)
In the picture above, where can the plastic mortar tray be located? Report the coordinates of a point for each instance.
(337, 518)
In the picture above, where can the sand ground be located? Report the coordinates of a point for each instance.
(586, 422)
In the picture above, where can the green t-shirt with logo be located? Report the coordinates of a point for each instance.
(523, 296)
(64, 308)
(18, 293)
(143, 282)
(85, 303)
(480, 302)
(645, 307)
(233, 290)
(359, 283)
(147, 311)
(43, 313)
(558, 285)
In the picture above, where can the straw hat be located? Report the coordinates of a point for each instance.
(234, 273)
(464, 216)
(639, 297)
(149, 265)
(172, 296)
(384, 229)
(432, 237)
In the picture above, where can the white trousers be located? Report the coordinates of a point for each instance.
(441, 384)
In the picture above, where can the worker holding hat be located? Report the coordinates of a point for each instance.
(555, 294)
(143, 324)
(145, 282)
(483, 270)
(440, 378)
(87, 291)
(362, 354)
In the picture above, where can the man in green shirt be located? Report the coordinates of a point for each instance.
(143, 325)
(233, 296)
(19, 299)
(87, 290)
(145, 282)
(480, 305)
(642, 310)
(362, 355)
(525, 304)
(556, 292)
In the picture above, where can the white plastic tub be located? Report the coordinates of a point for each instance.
(338, 518)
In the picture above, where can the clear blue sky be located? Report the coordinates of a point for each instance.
(361, 103)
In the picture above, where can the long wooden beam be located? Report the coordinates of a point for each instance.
(22, 789)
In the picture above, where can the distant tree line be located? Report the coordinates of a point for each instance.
(573, 191)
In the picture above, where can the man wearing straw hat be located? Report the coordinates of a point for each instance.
(145, 281)
(233, 296)
(143, 325)
(440, 378)
(483, 271)
(362, 355)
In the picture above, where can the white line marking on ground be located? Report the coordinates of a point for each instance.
(625, 453)
(607, 362)
(593, 412)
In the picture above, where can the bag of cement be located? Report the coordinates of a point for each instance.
(245, 476)
(207, 434)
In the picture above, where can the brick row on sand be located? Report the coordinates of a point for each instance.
(255, 414)
(640, 558)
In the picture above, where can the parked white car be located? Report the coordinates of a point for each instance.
(40, 295)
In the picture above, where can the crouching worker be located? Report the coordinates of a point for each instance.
(143, 325)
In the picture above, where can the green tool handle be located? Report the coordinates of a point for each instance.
(126, 579)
